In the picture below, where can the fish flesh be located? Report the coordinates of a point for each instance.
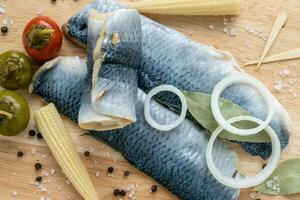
(113, 60)
(169, 57)
(175, 159)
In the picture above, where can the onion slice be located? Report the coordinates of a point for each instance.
(242, 79)
(156, 90)
(248, 181)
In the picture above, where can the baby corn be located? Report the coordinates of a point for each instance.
(187, 7)
(61, 145)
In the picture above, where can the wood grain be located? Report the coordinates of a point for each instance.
(255, 14)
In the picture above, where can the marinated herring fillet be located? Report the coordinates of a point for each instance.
(175, 159)
(113, 59)
(169, 57)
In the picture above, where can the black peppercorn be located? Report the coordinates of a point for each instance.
(86, 153)
(38, 166)
(126, 173)
(123, 193)
(116, 192)
(38, 179)
(110, 170)
(20, 154)
(4, 29)
(31, 133)
(154, 188)
(39, 136)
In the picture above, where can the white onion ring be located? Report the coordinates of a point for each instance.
(243, 79)
(154, 91)
(248, 181)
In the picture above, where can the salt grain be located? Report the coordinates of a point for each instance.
(226, 30)
(52, 171)
(42, 188)
(33, 151)
(269, 183)
(40, 12)
(285, 73)
(14, 193)
(97, 173)
(43, 198)
(5, 22)
(46, 174)
(13, 173)
(2, 10)
(11, 21)
(59, 189)
(278, 86)
(233, 32)
(211, 27)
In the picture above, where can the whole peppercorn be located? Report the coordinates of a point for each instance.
(123, 193)
(126, 173)
(38, 179)
(31, 133)
(38, 166)
(39, 136)
(20, 154)
(116, 192)
(86, 153)
(110, 170)
(153, 188)
(4, 29)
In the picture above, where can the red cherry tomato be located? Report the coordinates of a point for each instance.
(42, 38)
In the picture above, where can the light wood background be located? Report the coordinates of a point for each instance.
(16, 173)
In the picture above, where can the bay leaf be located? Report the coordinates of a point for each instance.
(199, 107)
(286, 175)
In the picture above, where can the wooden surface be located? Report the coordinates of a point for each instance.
(16, 173)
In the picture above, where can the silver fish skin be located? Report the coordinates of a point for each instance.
(175, 159)
(114, 56)
(169, 57)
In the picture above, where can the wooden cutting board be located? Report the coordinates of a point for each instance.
(258, 15)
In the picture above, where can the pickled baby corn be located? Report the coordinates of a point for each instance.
(187, 7)
(60, 143)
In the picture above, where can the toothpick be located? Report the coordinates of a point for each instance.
(287, 55)
(280, 21)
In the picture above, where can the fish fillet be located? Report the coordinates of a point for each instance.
(169, 57)
(175, 159)
(114, 54)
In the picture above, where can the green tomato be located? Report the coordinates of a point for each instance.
(15, 70)
(14, 113)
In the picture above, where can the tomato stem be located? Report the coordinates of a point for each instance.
(7, 114)
(39, 36)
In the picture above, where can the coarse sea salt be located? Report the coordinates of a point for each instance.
(33, 151)
(285, 73)
(52, 171)
(2, 10)
(97, 173)
(278, 86)
(5, 22)
(14, 193)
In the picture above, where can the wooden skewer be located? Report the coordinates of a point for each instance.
(280, 21)
(287, 55)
